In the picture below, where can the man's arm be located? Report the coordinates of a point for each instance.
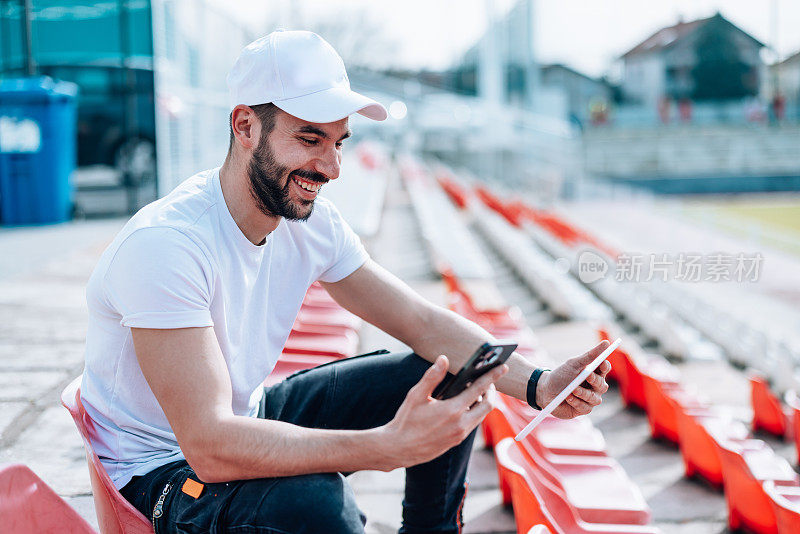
(187, 373)
(382, 299)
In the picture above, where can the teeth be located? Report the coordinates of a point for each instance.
(307, 186)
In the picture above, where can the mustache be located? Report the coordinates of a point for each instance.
(312, 176)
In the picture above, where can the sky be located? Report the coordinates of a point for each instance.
(585, 34)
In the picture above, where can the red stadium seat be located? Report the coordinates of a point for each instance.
(115, 514)
(538, 502)
(540, 529)
(332, 317)
(299, 327)
(699, 430)
(341, 346)
(785, 501)
(553, 435)
(632, 387)
(318, 296)
(28, 505)
(458, 195)
(793, 403)
(768, 413)
(596, 486)
(659, 383)
(661, 412)
(461, 302)
(743, 472)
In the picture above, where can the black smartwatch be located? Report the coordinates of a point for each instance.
(533, 382)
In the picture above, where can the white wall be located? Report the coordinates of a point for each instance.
(644, 78)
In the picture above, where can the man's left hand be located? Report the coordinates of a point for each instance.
(583, 398)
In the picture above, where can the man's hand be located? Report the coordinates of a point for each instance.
(583, 398)
(424, 428)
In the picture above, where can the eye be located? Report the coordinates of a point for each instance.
(308, 141)
(338, 144)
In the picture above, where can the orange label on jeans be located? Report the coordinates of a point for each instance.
(192, 488)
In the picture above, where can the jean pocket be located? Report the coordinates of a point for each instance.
(158, 516)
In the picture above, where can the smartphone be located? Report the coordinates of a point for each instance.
(486, 358)
(578, 380)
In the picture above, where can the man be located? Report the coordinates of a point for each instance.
(192, 302)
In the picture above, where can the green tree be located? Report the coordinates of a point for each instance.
(720, 73)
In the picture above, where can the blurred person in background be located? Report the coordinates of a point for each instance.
(191, 304)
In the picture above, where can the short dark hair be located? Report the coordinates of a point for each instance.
(265, 113)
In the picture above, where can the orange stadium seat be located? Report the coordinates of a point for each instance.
(552, 436)
(661, 413)
(743, 473)
(458, 195)
(115, 515)
(341, 346)
(768, 413)
(785, 501)
(461, 302)
(554, 441)
(536, 501)
(793, 402)
(699, 431)
(300, 327)
(659, 383)
(333, 317)
(319, 297)
(29, 505)
(596, 486)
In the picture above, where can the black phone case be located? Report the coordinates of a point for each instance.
(452, 384)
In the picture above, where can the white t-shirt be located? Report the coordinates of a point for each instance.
(183, 262)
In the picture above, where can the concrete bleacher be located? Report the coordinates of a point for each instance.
(745, 508)
(413, 237)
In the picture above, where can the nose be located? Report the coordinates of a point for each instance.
(329, 163)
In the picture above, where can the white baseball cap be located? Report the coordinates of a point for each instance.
(302, 74)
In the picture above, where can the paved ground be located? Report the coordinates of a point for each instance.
(43, 272)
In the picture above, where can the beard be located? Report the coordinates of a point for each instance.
(266, 178)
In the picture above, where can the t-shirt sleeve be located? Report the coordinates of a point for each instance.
(349, 252)
(160, 278)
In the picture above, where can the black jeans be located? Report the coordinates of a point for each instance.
(355, 394)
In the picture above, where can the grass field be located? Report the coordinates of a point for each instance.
(781, 216)
(772, 219)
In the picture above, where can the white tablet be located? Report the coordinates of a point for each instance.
(583, 375)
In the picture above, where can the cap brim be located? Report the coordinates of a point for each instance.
(332, 105)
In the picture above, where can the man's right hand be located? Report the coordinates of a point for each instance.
(424, 428)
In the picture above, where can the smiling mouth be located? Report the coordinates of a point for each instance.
(307, 185)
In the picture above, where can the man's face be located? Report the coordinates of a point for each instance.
(292, 163)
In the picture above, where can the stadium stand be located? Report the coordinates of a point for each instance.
(561, 479)
(567, 456)
(713, 445)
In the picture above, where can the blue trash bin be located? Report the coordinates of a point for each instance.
(37, 150)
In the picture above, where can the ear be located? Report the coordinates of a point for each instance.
(245, 126)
